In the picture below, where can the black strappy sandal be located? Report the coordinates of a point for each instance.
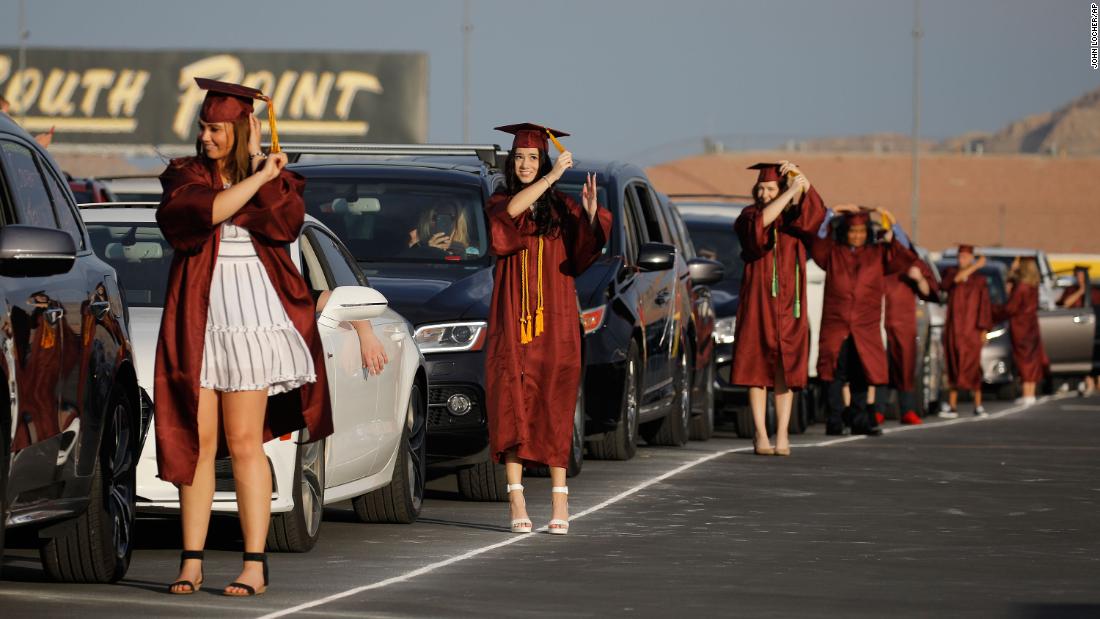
(250, 591)
(192, 587)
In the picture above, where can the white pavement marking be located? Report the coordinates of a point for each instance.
(427, 569)
(1091, 408)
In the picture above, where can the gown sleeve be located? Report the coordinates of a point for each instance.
(506, 232)
(277, 211)
(985, 308)
(1009, 308)
(947, 279)
(811, 214)
(820, 249)
(585, 238)
(896, 257)
(186, 210)
(752, 233)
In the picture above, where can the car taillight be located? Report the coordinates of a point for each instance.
(591, 319)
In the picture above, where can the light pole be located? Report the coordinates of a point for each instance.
(23, 34)
(917, 34)
(467, 33)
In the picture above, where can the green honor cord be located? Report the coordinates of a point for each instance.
(775, 263)
(797, 296)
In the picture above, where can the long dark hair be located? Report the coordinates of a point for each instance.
(549, 208)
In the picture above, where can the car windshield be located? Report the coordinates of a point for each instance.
(994, 279)
(141, 256)
(381, 221)
(574, 191)
(721, 245)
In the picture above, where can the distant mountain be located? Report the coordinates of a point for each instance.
(1073, 129)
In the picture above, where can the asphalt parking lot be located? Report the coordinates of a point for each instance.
(966, 518)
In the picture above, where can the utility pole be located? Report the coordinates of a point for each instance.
(917, 34)
(467, 33)
(23, 34)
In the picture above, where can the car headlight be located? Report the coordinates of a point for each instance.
(451, 337)
(724, 329)
(591, 319)
(994, 334)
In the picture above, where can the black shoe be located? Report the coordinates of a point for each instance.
(191, 587)
(250, 591)
(872, 431)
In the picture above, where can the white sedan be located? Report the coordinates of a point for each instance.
(375, 457)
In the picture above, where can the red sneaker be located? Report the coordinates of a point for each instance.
(910, 418)
(879, 418)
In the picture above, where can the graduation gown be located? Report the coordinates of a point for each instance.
(531, 389)
(854, 286)
(274, 217)
(773, 330)
(901, 321)
(969, 314)
(1021, 310)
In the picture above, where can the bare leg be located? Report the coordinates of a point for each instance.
(196, 499)
(953, 399)
(1029, 389)
(758, 403)
(977, 397)
(243, 418)
(560, 502)
(513, 470)
(784, 400)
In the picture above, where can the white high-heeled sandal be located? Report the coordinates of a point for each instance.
(520, 525)
(557, 525)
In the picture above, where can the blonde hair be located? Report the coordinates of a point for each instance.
(238, 165)
(1028, 272)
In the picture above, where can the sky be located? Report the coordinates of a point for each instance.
(645, 80)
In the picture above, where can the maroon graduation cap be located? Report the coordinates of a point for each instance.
(530, 135)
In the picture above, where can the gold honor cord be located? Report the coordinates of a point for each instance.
(526, 322)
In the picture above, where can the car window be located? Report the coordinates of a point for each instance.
(685, 239)
(63, 209)
(382, 221)
(651, 217)
(33, 205)
(574, 191)
(635, 232)
(140, 255)
(670, 226)
(339, 270)
(721, 244)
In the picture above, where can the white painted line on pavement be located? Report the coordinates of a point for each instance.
(427, 569)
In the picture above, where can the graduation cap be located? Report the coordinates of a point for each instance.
(227, 102)
(530, 135)
(768, 172)
(966, 249)
(859, 218)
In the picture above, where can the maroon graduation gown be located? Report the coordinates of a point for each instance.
(531, 389)
(1022, 313)
(773, 331)
(901, 322)
(274, 217)
(969, 314)
(854, 286)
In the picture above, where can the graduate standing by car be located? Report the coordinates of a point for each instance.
(1021, 310)
(902, 291)
(969, 318)
(772, 333)
(239, 347)
(850, 350)
(542, 240)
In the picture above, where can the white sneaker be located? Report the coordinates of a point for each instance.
(1026, 401)
(980, 411)
(947, 414)
(945, 407)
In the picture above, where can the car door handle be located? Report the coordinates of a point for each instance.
(100, 308)
(1084, 319)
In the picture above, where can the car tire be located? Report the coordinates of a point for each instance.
(744, 422)
(702, 425)
(484, 481)
(674, 428)
(96, 546)
(401, 501)
(622, 442)
(298, 529)
(576, 451)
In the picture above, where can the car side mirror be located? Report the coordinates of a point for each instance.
(705, 272)
(30, 251)
(349, 303)
(656, 257)
(1065, 281)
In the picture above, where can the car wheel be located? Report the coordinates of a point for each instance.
(96, 546)
(298, 529)
(673, 430)
(622, 442)
(702, 425)
(744, 422)
(483, 481)
(576, 450)
(402, 499)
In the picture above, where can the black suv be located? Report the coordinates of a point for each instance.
(638, 347)
(75, 422)
(389, 205)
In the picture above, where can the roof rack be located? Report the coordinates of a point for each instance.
(487, 153)
(94, 205)
(729, 196)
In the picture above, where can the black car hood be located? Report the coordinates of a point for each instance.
(433, 292)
